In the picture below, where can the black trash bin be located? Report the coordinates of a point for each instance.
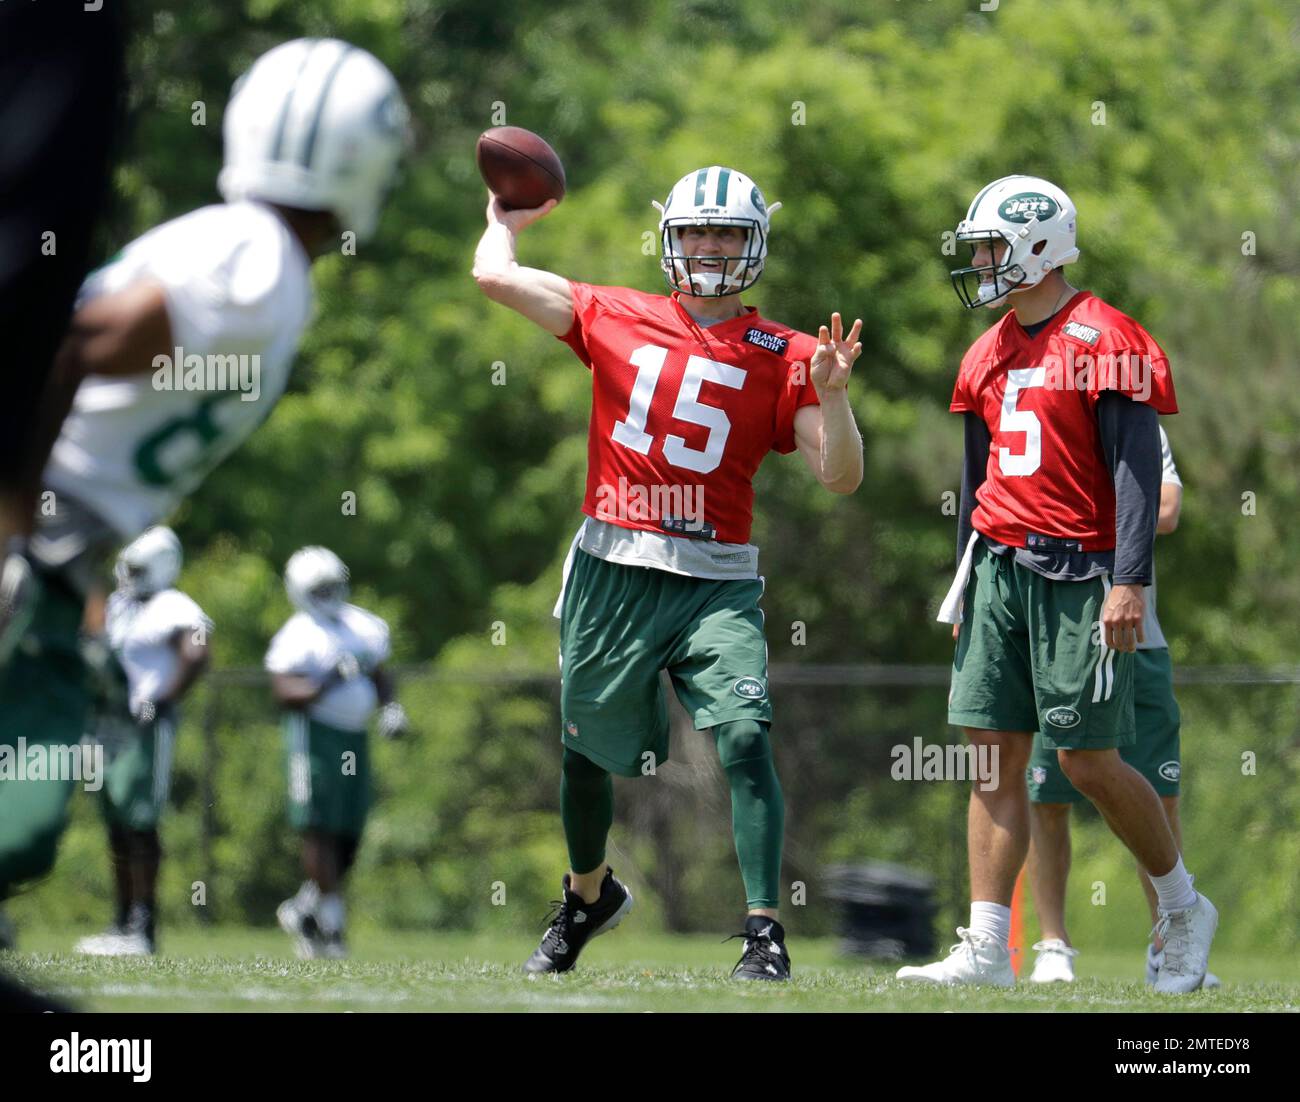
(887, 911)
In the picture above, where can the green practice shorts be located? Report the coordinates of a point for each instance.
(138, 768)
(621, 625)
(1156, 754)
(1029, 659)
(329, 776)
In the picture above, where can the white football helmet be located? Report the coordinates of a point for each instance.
(316, 581)
(714, 196)
(150, 563)
(316, 124)
(1034, 218)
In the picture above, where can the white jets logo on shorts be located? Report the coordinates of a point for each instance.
(1063, 717)
(1170, 770)
(751, 688)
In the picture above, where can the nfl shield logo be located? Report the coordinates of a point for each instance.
(572, 728)
(1040, 775)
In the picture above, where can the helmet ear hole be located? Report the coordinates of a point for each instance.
(1039, 247)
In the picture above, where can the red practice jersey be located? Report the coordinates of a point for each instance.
(1038, 396)
(682, 415)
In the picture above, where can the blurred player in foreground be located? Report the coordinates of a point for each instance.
(327, 672)
(181, 347)
(690, 393)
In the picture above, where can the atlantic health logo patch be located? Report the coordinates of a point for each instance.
(1085, 333)
(770, 341)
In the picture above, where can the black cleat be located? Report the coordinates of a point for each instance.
(576, 922)
(765, 956)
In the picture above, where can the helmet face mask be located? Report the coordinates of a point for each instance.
(1030, 222)
(987, 284)
(686, 273)
(317, 582)
(149, 564)
(713, 196)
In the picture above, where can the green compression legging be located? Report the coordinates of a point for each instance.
(757, 808)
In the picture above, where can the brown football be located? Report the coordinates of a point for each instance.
(519, 167)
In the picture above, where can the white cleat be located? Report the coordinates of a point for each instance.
(114, 945)
(301, 926)
(1187, 936)
(1155, 959)
(975, 959)
(333, 947)
(1054, 963)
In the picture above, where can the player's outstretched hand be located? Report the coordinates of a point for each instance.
(1121, 617)
(516, 220)
(833, 361)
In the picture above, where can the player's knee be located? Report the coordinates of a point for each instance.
(742, 740)
(145, 845)
(581, 770)
(1050, 815)
(1011, 748)
(1086, 769)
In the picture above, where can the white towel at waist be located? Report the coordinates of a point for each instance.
(950, 612)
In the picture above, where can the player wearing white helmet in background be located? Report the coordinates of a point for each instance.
(156, 648)
(327, 672)
(179, 348)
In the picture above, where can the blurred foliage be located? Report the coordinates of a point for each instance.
(1174, 126)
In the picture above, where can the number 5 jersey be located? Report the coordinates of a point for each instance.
(1038, 395)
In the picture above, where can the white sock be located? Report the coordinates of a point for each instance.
(307, 896)
(991, 920)
(329, 913)
(1174, 890)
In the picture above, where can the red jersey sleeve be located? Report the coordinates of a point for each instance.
(963, 401)
(1129, 361)
(797, 393)
(586, 305)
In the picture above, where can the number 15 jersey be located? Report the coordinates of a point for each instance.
(682, 414)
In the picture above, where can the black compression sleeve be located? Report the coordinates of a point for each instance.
(1130, 441)
(973, 472)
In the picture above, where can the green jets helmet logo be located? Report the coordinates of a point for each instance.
(756, 197)
(1063, 717)
(1027, 206)
(751, 688)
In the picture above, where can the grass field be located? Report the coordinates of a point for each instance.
(254, 969)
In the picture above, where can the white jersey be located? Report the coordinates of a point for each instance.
(313, 646)
(238, 298)
(140, 634)
(1153, 637)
